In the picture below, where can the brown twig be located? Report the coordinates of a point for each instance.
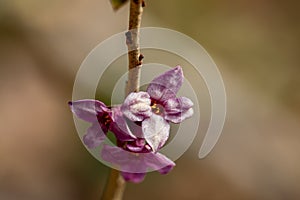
(132, 41)
(116, 185)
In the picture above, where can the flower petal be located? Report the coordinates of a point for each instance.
(178, 109)
(175, 105)
(156, 131)
(125, 160)
(178, 118)
(94, 136)
(159, 92)
(88, 109)
(133, 177)
(159, 162)
(166, 85)
(135, 128)
(136, 106)
(119, 125)
(134, 166)
(136, 146)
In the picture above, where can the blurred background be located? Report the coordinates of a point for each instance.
(256, 46)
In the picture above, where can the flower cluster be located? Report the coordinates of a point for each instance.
(141, 125)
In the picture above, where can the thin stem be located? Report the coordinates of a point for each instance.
(116, 185)
(132, 41)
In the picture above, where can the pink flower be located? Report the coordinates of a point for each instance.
(141, 125)
(165, 106)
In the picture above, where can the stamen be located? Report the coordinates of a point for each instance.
(157, 108)
(125, 145)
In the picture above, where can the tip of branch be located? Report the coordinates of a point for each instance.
(141, 57)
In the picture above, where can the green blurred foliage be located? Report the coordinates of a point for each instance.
(116, 4)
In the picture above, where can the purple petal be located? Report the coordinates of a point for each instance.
(160, 93)
(166, 169)
(136, 146)
(135, 128)
(176, 105)
(119, 125)
(156, 131)
(94, 136)
(136, 106)
(125, 160)
(166, 85)
(178, 109)
(135, 165)
(133, 177)
(88, 109)
(159, 162)
(178, 118)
